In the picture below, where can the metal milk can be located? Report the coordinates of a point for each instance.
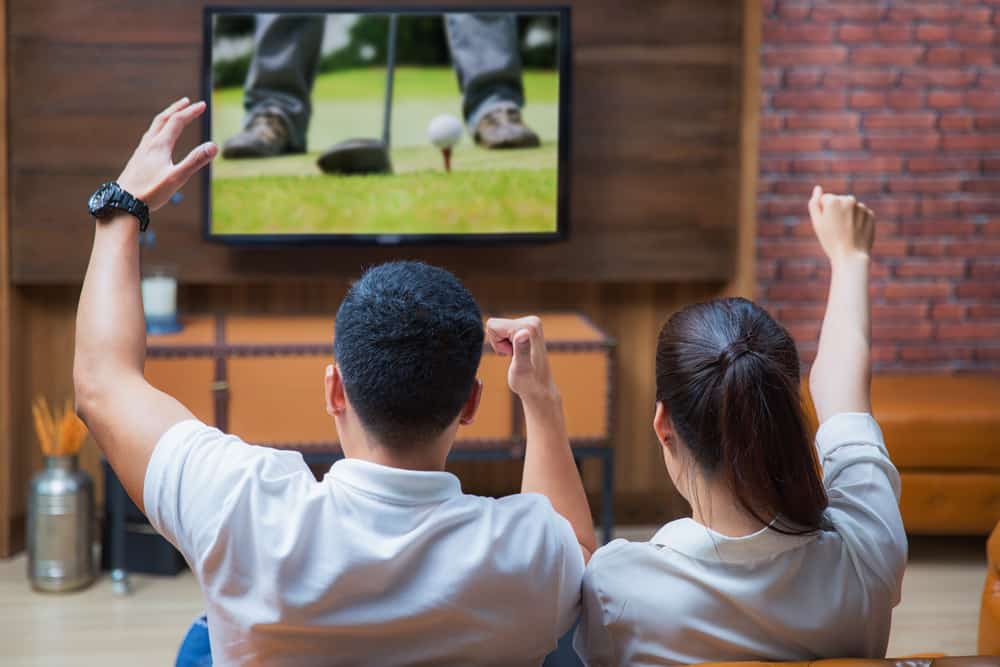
(61, 526)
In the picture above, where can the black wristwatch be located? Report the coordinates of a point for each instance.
(111, 197)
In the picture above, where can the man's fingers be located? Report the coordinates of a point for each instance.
(498, 333)
(195, 160)
(164, 115)
(179, 120)
(522, 348)
(815, 208)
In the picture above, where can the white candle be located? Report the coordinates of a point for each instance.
(159, 296)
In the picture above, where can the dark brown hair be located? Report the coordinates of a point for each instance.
(728, 375)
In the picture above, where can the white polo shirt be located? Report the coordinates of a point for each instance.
(371, 566)
(693, 595)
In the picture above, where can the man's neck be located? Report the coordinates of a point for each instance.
(421, 456)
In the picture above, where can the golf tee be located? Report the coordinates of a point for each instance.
(446, 152)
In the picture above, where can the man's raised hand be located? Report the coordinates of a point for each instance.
(529, 376)
(151, 174)
(845, 227)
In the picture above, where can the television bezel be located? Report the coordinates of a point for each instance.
(561, 232)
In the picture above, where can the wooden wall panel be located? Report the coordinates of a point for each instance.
(664, 75)
(655, 144)
(6, 372)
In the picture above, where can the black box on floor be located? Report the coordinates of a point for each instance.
(146, 552)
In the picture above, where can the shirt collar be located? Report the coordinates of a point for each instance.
(694, 540)
(396, 485)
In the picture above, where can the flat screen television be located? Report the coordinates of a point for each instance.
(387, 125)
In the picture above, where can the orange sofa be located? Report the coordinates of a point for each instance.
(943, 433)
(989, 617)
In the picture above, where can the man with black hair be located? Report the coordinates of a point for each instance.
(385, 561)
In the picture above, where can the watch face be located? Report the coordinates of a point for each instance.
(100, 199)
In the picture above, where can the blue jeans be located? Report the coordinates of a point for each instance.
(196, 652)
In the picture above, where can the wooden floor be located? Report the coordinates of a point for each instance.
(939, 612)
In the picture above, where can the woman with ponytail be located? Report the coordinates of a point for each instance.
(794, 550)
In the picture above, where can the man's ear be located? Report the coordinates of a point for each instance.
(333, 390)
(468, 414)
(662, 427)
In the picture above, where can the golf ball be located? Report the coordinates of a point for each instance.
(445, 131)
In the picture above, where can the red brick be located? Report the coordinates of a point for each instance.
(931, 268)
(925, 184)
(959, 121)
(801, 313)
(933, 32)
(869, 77)
(770, 77)
(979, 248)
(786, 206)
(771, 121)
(985, 311)
(837, 10)
(843, 120)
(802, 188)
(878, 164)
(988, 354)
(934, 352)
(942, 163)
(987, 290)
(811, 99)
(944, 55)
(848, 142)
(945, 99)
(894, 206)
(783, 33)
(923, 11)
(804, 331)
(791, 143)
(908, 331)
(774, 165)
(887, 55)
(782, 248)
(975, 35)
(929, 247)
(794, 10)
(947, 77)
(979, 205)
(938, 206)
(898, 311)
(939, 228)
(987, 122)
(905, 99)
(767, 270)
(803, 77)
(852, 32)
(978, 15)
(811, 55)
(983, 99)
(978, 56)
(986, 269)
(888, 32)
(809, 292)
(887, 248)
(907, 290)
(925, 120)
(971, 142)
(904, 142)
(771, 229)
(867, 186)
(992, 228)
(947, 311)
(969, 331)
(867, 99)
(982, 185)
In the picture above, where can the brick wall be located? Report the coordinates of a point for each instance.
(897, 102)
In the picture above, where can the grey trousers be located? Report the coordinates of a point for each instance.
(286, 54)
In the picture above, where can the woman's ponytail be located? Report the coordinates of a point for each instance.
(729, 376)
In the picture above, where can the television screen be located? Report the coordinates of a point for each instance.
(393, 126)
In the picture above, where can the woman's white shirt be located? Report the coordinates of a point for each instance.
(693, 595)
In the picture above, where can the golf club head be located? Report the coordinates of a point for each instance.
(356, 156)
